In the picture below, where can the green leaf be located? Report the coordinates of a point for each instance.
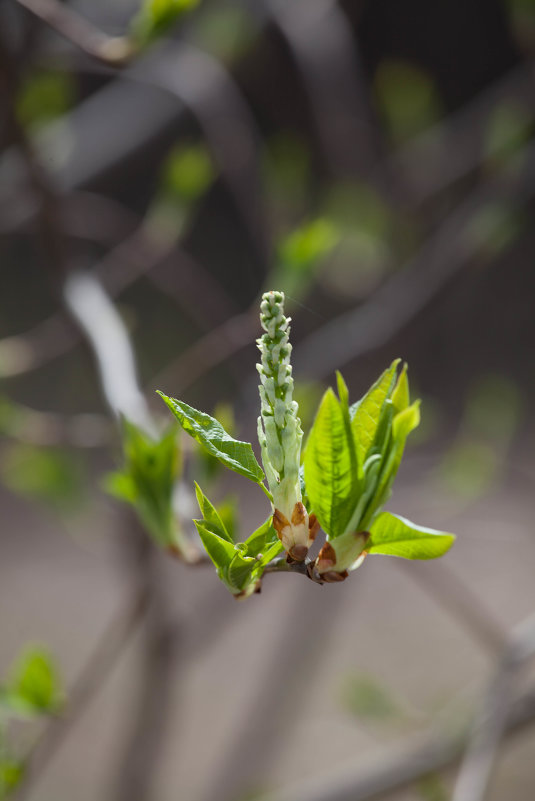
(366, 413)
(211, 516)
(330, 476)
(394, 536)
(220, 550)
(400, 395)
(406, 421)
(236, 455)
(34, 683)
(402, 425)
(264, 537)
(242, 571)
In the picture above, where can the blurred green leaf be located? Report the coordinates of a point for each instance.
(187, 172)
(11, 773)
(49, 475)
(208, 432)
(225, 31)
(368, 699)
(470, 468)
(300, 254)
(147, 481)
(286, 174)
(493, 227)
(44, 96)
(156, 17)
(395, 536)
(509, 129)
(494, 408)
(304, 246)
(407, 98)
(34, 682)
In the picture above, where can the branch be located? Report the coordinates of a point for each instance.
(106, 654)
(400, 768)
(113, 50)
(491, 722)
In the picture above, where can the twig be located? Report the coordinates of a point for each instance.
(492, 720)
(49, 428)
(152, 711)
(401, 767)
(113, 50)
(442, 584)
(325, 54)
(106, 654)
(398, 301)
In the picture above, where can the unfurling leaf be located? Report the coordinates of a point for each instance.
(330, 467)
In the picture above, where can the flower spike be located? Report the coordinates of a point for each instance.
(279, 429)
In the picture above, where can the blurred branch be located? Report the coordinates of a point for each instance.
(491, 722)
(210, 350)
(114, 50)
(100, 322)
(401, 767)
(453, 148)
(52, 429)
(456, 597)
(152, 712)
(105, 655)
(325, 54)
(410, 290)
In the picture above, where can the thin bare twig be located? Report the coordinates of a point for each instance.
(442, 584)
(113, 50)
(491, 722)
(106, 654)
(403, 296)
(401, 767)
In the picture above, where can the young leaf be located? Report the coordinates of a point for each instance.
(209, 432)
(242, 571)
(330, 476)
(211, 516)
(394, 536)
(402, 425)
(263, 539)
(365, 414)
(400, 395)
(220, 550)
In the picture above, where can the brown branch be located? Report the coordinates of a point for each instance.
(113, 50)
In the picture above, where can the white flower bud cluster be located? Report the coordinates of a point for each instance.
(279, 428)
